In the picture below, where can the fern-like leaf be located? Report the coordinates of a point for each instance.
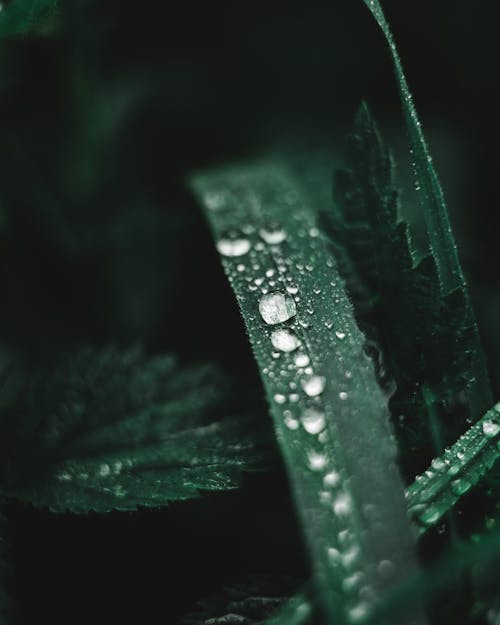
(114, 430)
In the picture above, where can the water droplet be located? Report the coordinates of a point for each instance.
(331, 480)
(276, 308)
(294, 397)
(438, 464)
(358, 613)
(317, 461)
(273, 234)
(430, 516)
(233, 246)
(291, 423)
(279, 398)
(314, 232)
(334, 555)
(386, 568)
(329, 324)
(340, 335)
(343, 395)
(104, 469)
(292, 289)
(342, 506)
(313, 385)
(490, 428)
(64, 476)
(460, 486)
(313, 421)
(284, 340)
(301, 360)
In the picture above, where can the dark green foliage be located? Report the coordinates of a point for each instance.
(255, 603)
(428, 339)
(26, 16)
(5, 574)
(114, 430)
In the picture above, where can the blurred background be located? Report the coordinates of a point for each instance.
(104, 111)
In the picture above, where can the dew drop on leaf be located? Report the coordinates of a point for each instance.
(313, 385)
(331, 479)
(273, 234)
(340, 335)
(317, 461)
(276, 308)
(301, 360)
(490, 428)
(233, 246)
(313, 421)
(284, 340)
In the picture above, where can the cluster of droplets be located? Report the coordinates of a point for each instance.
(437, 489)
(295, 375)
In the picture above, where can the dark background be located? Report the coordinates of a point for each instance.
(103, 113)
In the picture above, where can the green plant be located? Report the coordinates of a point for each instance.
(370, 362)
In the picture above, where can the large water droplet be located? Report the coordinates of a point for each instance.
(490, 428)
(273, 234)
(233, 245)
(276, 308)
(313, 385)
(284, 340)
(313, 421)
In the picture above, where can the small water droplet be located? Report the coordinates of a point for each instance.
(284, 340)
(460, 486)
(438, 464)
(430, 516)
(329, 324)
(313, 232)
(490, 428)
(343, 395)
(233, 246)
(240, 267)
(104, 469)
(313, 421)
(273, 234)
(340, 335)
(290, 422)
(279, 398)
(317, 461)
(342, 506)
(313, 385)
(386, 568)
(294, 398)
(301, 360)
(276, 308)
(331, 480)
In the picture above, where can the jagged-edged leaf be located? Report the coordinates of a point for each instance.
(24, 16)
(262, 602)
(429, 339)
(114, 430)
(439, 232)
(330, 415)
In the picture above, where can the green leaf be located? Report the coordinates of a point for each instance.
(452, 280)
(114, 430)
(262, 601)
(26, 16)
(330, 415)
(429, 339)
(456, 472)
